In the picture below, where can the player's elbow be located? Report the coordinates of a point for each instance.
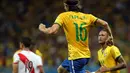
(105, 24)
(50, 32)
(53, 31)
(123, 65)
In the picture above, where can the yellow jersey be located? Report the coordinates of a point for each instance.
(76, 26)
(108, 57)
(38, 53)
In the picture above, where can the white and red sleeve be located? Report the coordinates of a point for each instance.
(39, 63)
(15, 58)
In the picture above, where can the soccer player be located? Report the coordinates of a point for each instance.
(26, 61)
(76, 26)
(36, 51)
(109, 56)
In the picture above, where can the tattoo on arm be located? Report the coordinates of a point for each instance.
(121, 65)
(119, 59)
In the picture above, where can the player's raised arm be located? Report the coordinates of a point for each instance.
(55, 27)
(103, 23)
(50, 30)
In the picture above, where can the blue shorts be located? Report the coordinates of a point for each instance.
(75, 66)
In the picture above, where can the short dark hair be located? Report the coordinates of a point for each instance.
(72, 2)
(26, 41)
(73, 5)
(33, 46)
(106, 30)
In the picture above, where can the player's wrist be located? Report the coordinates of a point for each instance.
(45, 31)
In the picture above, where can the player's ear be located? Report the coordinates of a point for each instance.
(109, 41)
(79, 4)
(22, 45)
(65, 6)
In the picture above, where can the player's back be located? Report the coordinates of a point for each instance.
(76, 26)
(28, 62)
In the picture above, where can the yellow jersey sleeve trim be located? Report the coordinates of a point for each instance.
(115, 52)
(58, 24)
(117, 57)
(95, 21)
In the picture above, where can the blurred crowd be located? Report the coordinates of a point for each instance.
(22, 17)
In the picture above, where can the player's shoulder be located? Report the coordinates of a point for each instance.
(72, 12)
(26, 52)
(67, 13)
(64, 14)
(113, 47)
(89, 15)
(29, 54)
(18, 51)
(39, 57)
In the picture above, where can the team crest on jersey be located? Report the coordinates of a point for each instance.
(105, 54)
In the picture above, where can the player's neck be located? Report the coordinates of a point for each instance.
(26, 49)
(104, 45)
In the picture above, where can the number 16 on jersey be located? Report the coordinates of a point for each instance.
(81, 32)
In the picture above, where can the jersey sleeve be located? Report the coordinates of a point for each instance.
(93, 19)
(15, 58)
(39, 59)
(115, 52)
(59, 20)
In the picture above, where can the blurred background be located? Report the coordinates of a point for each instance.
(22, 17)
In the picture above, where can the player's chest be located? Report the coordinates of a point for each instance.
(104, 56)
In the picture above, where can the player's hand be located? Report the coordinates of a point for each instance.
(104, 69)
(110, 41)
(42, 27)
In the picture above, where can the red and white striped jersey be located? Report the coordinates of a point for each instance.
(27, 61)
